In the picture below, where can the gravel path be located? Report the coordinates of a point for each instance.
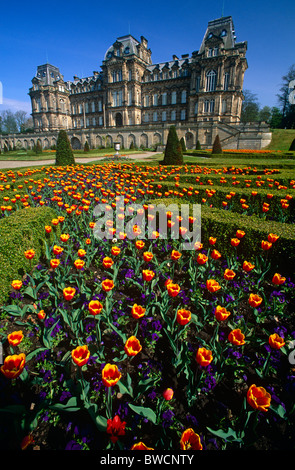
(25, 163)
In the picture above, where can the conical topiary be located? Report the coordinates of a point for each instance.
(64, 153)
(86, 147)
(183, 146)
(173, 151)
(198, 145)
(216, 149)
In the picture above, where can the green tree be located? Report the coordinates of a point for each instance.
(250, 107)
(173, 152)
(276, 118)
(198, 145)
(216, 149)
(183, 146)
(287, 109)
(86, 147)
(265, 114)
(292, 146)
(64, 153)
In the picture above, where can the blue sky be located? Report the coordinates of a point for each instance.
(74, 36)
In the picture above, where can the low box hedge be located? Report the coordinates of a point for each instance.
(20, 231)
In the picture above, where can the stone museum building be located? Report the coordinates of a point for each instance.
(132, 100)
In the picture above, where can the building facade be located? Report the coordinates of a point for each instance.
(133, 100)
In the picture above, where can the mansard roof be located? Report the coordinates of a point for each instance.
(128, 44)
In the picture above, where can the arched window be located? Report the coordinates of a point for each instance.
(211, 80)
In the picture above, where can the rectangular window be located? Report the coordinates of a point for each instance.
(173, 97)
(93, 107)
(164, 99)
(164, 116)
(223, 106)
(155, 116)
(155, 100)
(99, 106)
(212, 106)
(182, 115)
(130, 75)
(173, 115)
(146, 117)
(198, 81)
(129, 98)
(226, 81)
(196, 107)
(100, 121)
(183, 96)
(93, 122)
(206, 106)
(86, 108)
(147, 100)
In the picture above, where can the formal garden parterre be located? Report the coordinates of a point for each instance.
(119, 343)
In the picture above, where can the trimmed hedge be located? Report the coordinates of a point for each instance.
(21, 231)
(224, 224)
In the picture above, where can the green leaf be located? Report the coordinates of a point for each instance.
(34, 353)
(147, 413)
(70, 406)
(229, 435)
(126, 388)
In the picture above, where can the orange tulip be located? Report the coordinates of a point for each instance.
(204, 357)
(236, 337)
(64, 237)
(190, 440)
(148, 256)
(183, 316)
(215, 254)
(212, 240)
(15, 338)
(168, 394)
(229, 274)
(240, 233)
(265, 245)
(212, 285)
(221, 313)
(140, 446)
(13, 365)
(258, 398)
(110, 375)
(107, 285)
(137, 311)
(29, 254)
(79, 263)
(139, 244)
(81, 355)
(69, 293)
(81, 253)
(173, 289)
(275, 341)
(132, 346)
(16, 284)
(115, 250)
(27, 440)
(255, 300)
(41, 315)
(54, 263)
(247, 266)
(57, 250)
(95, 307)
(175, 255)
(235, 241)
(278, 279)
(202, 259)
(148, 275)
(272, 238)
(107, 262)
(48, 228)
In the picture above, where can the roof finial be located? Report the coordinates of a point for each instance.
(222, 11)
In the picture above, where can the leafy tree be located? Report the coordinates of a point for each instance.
(64, 153)
(276, 118)
(287, 109)
(250, 107)
(216, 149)
(183, 146)
(173, 152)
(265, 114)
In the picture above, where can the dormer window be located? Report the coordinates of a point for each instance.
(223, 33)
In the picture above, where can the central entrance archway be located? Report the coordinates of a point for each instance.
(119, 120)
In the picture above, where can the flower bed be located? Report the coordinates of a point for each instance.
(135, 343)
